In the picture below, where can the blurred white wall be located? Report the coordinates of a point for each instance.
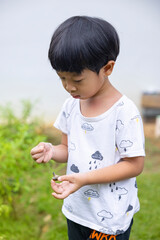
(26, 28)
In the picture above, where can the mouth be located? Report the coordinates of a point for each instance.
(76, 96)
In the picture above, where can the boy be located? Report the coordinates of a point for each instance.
(102, 134)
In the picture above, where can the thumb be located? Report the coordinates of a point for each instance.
(66, 178)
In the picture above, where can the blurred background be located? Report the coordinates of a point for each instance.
(27, 209)
(26, 30)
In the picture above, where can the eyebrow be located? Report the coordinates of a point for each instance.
(73, 75)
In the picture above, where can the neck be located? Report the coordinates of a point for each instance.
(107, 93)
(101, 102)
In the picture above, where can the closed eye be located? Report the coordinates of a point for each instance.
(78, 81)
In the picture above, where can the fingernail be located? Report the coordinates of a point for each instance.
(59, 179)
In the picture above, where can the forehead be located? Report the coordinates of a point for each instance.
(68, 74)
(84, 74)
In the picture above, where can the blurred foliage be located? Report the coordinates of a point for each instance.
(17, 136)
(27, 208)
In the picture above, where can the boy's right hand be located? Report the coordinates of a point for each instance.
(43, 152)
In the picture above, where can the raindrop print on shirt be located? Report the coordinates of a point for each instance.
(97, 157)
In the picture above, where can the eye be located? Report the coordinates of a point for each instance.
(78, 81)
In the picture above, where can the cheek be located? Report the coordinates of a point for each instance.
(94, 86)
(63, 84)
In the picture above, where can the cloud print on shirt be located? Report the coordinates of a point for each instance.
(121, 191)
(97, 155)
(119, 125)
(74, 168)
(68, 207)
(104, 214)
(71, 146)
(125, 144)
(118, 190)
(91, 193)
(120, 104)
(87, 127)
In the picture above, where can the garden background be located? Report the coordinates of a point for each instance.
(27, 208)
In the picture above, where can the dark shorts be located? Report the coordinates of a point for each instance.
(79, 232)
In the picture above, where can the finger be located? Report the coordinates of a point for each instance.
(42, 144)
(60, 196)
(37, 149)
(56, 187)
(66, 178)
(40, 160)
(36, 156)
(62, 178)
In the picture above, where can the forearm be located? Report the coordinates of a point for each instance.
(60, 153)
(123, 170)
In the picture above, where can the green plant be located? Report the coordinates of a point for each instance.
(17, 136)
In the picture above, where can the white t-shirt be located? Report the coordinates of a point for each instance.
(97, 142)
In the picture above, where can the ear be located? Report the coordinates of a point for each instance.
(108, 68)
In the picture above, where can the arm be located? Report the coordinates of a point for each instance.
(128, 168)
(60, 152)
(44, 152)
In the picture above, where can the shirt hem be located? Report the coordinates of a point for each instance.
(92, 225)
(133, 154)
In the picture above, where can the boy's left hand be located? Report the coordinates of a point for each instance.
(68, 184)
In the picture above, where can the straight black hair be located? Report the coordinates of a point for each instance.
(83, 42)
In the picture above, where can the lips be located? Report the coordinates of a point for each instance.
(76, 96)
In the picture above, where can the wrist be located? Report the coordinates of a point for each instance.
(89, 177)
(83, 179)
(52, 150)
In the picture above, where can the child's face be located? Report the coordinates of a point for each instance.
(83, 86)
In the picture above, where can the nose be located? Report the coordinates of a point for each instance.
(69, 87)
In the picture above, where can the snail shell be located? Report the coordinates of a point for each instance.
(55, 177)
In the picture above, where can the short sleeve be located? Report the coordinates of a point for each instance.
(61, 121)
(129, 134)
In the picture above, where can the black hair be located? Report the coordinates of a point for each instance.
(83, 42)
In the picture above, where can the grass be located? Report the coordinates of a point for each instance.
(146, 222)
(37, 215)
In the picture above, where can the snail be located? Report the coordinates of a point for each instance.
(55, 177)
